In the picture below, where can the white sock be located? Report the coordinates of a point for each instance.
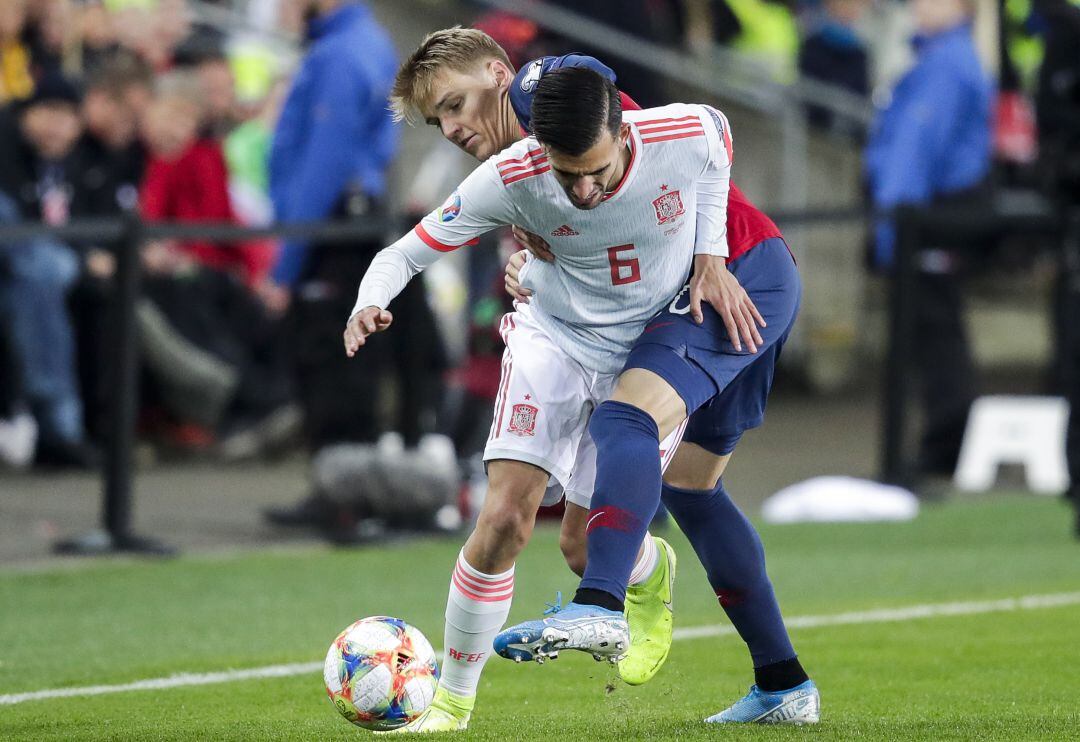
(646, 563)
(477, 608)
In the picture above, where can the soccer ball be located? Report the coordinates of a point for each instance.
(381, 673)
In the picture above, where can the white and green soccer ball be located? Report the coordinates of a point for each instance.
(381, 673)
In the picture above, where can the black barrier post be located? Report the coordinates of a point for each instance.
(902, 301)
(116, 535)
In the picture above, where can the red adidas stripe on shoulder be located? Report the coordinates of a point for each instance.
(515, 177)
(669, 137)
(523, 160)
(692, 117)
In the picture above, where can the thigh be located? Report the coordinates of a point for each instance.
(543, 404)
(579, 489)
(718, 425)
(700, 361)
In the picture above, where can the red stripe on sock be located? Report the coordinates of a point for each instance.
(480, 598)
(482, 585)
(611, 517)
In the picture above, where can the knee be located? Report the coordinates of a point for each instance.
(573, 549)
(695, 468)
(46, 264)
(612, 422)
(508, 523)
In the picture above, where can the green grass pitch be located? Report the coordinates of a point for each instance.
(992, 675)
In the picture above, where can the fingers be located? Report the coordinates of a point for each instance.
(732, 328)
(534, 243)
(745, 333)
(515, 291)
(695, 304)
(543, 251)
(754, 320)
(362, 324)
(366, 322)
(520, 236)
(512, 277)
(354, 339)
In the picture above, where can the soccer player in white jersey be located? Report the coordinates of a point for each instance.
(577, 335)
(460, 81)
(679, 367)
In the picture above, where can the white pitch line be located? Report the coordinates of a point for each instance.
(885, 615)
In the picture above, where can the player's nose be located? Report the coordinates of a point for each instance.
(583, 188)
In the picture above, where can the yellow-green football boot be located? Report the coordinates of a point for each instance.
(649, 613)
(448, 712)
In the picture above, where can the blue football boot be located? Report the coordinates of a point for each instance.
(799, 705)
(588, 628)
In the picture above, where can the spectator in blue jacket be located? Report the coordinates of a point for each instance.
(335, 138)
(930, 146)
(329, 157)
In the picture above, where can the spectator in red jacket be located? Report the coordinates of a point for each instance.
(187, 180)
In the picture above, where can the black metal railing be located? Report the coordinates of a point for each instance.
(915, 227)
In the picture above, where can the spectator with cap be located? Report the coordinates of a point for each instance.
(37, 183)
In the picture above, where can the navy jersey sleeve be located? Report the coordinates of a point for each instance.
(524, 85)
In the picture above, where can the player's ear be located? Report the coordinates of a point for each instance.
(624, 133)
(500, 73)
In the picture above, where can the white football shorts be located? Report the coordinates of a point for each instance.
(542, 411)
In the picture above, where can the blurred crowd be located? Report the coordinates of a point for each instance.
(138, 107)
(114, 108)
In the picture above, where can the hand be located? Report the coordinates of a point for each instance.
(714, 283)
(275, 297)
(366, 322)
(511, 279)
(164, 257)
(534, 243)
(100, 264)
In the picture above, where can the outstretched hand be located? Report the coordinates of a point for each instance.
(366, 322)
(714, 283)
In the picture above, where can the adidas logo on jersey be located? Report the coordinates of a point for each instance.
(565, 231)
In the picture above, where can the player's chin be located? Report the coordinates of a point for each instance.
(592, 203)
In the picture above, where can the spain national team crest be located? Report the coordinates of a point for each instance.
(523, 419)
(668, 207)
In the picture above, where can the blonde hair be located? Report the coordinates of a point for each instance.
(459, 49)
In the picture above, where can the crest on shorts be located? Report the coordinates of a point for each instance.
(523, 419)
(668, 207)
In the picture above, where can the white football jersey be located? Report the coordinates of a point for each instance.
(616, 265)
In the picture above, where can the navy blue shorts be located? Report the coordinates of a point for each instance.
(724, 390)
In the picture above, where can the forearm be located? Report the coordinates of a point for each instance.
(712, 199)
(391, 271)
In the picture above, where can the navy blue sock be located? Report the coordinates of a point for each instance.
(734, 559)
(625, 497)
